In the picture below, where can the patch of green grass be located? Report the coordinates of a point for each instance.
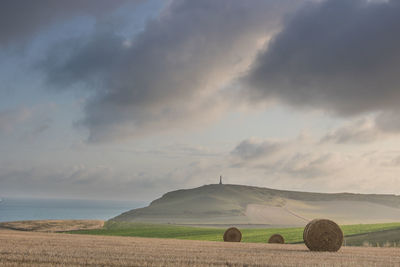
(154, 230)
(354, 229)
(291, 235)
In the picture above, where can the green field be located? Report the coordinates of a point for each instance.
(291, 235)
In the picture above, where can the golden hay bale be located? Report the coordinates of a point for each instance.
(276, 239)
(323, 235)
(232, 235)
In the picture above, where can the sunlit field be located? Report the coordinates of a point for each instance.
(19, 248)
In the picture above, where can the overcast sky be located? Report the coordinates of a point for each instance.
(130, 99)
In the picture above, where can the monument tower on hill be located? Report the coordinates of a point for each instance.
(220, 179)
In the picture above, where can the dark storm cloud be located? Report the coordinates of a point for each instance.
(172, 73)
(84, 59)
(342, 56)
(20, 19)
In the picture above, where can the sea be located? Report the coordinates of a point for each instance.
(19, 209)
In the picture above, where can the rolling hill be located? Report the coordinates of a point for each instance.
(237, 204)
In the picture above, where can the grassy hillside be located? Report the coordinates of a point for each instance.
(221, 204)
(291, 235)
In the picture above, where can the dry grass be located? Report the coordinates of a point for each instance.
(49, 249)
(52, 225)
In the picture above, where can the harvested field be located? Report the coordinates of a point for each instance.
(48, 249)
(53, 225)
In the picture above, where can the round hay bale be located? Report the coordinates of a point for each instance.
(232, 235)
(276, 239)
(305, 230)
(323, 235)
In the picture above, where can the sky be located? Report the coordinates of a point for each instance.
(130, 99)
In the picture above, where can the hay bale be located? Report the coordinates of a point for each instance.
(232, 235)
(323, 235)
(306, 229)
(276, 239)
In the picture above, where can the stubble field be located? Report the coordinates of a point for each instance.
(53, 225)
(48, 249)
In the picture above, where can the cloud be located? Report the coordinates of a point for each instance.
(180, 70)
(337, 55)
(35, 128)
(178, 150)
(79, 180)
(251, 149)
(94, 181)
(312, 165)
(24, 124)
(300, 157)
(300, 164)
(20, 19)
(358, 132)
(10, 118)
(388, 121)
(173, 74)
(382, 125)
(308, 164)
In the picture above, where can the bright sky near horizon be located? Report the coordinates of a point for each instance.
(130, 99)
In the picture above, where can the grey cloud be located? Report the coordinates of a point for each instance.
(310, 165)
(337, 55)
(84, 60)
(177, 151)
(35, 129)
(174, 72)
(96, 182)
(10, 118)
(362, 131)
(250, 149)
(383, 125)
(295, 158)
(20, 19)
(388, 121)
(185, 150)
